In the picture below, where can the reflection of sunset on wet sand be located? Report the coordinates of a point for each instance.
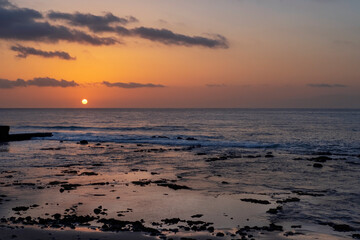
(175, 173)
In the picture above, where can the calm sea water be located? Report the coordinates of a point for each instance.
(328, 195)
(305, 131)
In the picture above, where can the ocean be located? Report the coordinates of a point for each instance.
(304, 162)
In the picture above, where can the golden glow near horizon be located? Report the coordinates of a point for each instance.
(249, 54)
(84, 101)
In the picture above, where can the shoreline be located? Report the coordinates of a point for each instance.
(134, 182)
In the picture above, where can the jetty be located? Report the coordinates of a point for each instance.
(6, 137)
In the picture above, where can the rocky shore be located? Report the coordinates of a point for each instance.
(96, 190)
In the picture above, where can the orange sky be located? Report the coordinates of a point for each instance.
(270, 54)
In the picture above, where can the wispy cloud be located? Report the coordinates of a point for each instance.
(38, 82)
(132, 85)
(326, 85)
(24, 52)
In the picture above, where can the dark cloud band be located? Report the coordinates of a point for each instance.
(93, 22)
(132, 85)
(30, 25)
(107, 23)
(4, 3)
(24, 52)
(170, 38)
(38, 82)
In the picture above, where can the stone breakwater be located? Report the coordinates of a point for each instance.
(6, 137)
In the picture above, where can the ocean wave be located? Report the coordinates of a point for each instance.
(89, 128)
(161, 140)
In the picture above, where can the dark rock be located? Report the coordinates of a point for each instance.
(321, 159)
(200, 154)
(269, 156)
(191, 223)
(97, 164)
(84, 142)
(171, 221)
(56, 183)
(216, 159)
(220, 234)
(4, 131)
(292, 233)
(341, 227)
(255, 201)
(356, 236)
(118, 225)
(317, 165)
(69, 187)
(141, 183)
(70, 171)
(197, 216)
(274, 227)
(191, 139)
(21, 208)
(296, 226)
(174, 186)
(274, 210)
(88, 174)
(23, 184)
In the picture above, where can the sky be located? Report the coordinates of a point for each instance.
(180, 53)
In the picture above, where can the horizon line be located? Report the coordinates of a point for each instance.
(180, 108)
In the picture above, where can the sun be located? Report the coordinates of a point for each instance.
(84, 101)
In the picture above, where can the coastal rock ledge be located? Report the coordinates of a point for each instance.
(6, 137)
